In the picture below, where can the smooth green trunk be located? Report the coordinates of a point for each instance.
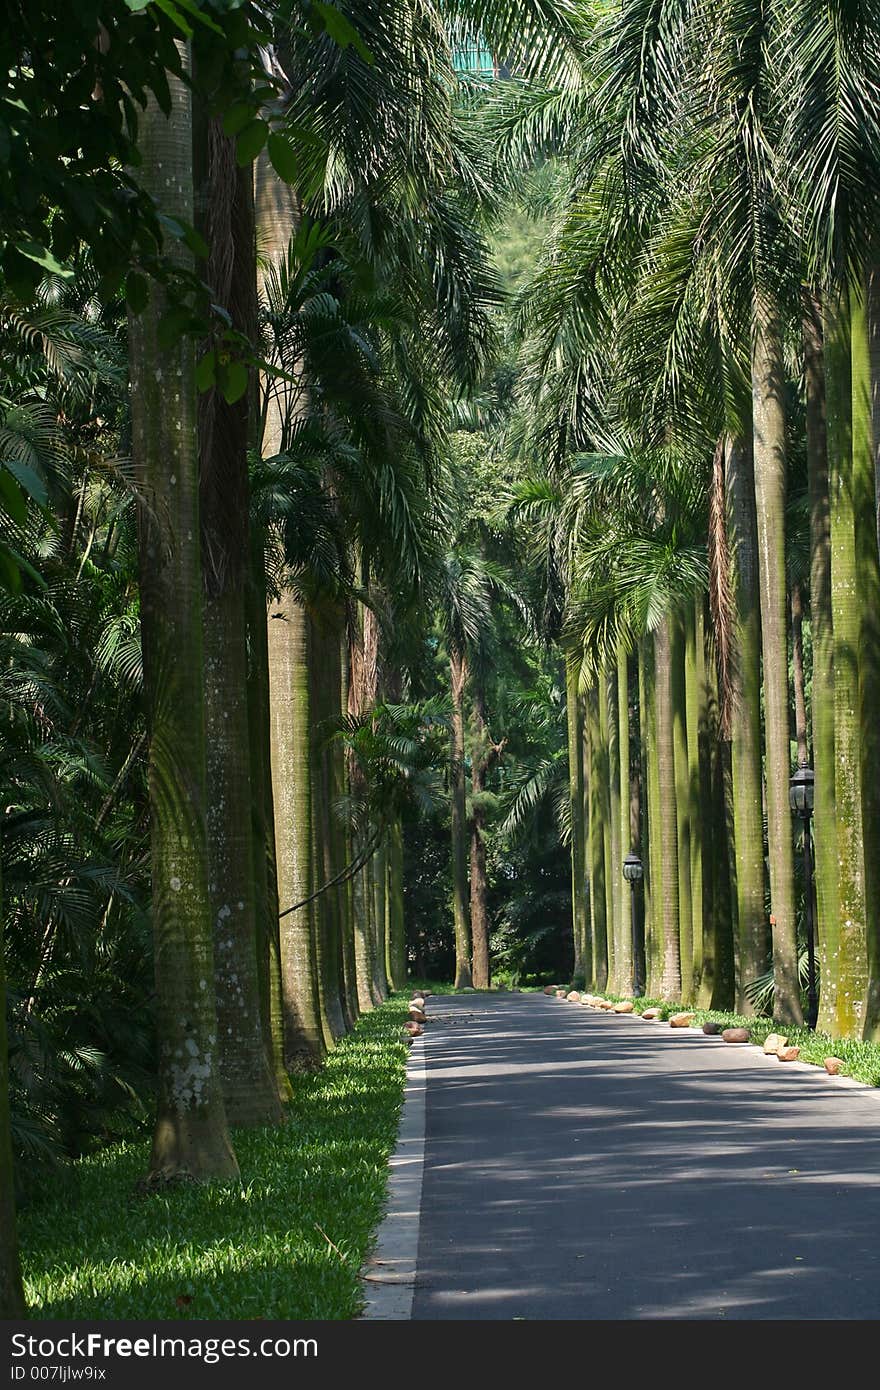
(458, 675)
(575, 730)
(597, 828)
(822, 637)
(695, 687)
(745, 722)
(624, 833)
(608, 734)
(768, 419)
(844, 948)
(681, 754)
(670, 982)
(651, 857)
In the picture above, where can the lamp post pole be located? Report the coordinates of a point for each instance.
(632, 872)
(801, 796)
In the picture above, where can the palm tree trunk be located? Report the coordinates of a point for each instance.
(458, 676)
(651, 857)
(268, 926)
(624, 947)
(575, 727)
(290, 721)
(695, 693)
(768, 417)
(363, 686)
(613, 855)
(745, 721)
(351, 1007)
(868, 578)
(225, 216)
(597, 791)
(11, 1291)
(190, 1136)
(480, 762)
(380, 923)
(396, 920)
(797, 666)
(670, 986)
(844, 955)
(822, 636)
(682, 804)
(325, 694)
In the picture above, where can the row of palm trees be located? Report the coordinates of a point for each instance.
(701, 383)
(292, 350)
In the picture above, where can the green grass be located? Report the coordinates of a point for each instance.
(93, 1248)
(862, 1059)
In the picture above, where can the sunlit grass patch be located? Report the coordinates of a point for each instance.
(287, 1243)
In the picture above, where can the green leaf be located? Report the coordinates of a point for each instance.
(200, 15)
(29, 479)
(12, 499)
(283, 157)
(10, 575)
(173, 13)
(250, 141)
(137, 292)
(35, 252)
(206, 371)
(237, 117)
(235, 382)
(341, 30)
(137, 5)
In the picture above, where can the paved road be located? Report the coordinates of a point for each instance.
(583, 1166)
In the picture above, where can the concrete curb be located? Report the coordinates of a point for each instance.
(390, 1272)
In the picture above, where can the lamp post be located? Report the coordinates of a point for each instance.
(632, 872)
(800, 795)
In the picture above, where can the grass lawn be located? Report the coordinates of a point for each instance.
(287, 1243)
(862, 1059)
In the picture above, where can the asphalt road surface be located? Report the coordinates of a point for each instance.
(581, 1165)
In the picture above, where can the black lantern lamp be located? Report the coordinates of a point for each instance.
(632, 872)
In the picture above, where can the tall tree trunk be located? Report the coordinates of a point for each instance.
(396, 921)
(668, 837)
(868, 579)
(290, 719)
(768, 417)
(695, 694)
(844, 955)
(482, 756)
(263, 821)
(325, 693)
(652, 850)
(11, 1291)
(351, 1007)
(797, 665)
(379, 868)
(613, 853)
(745, 721)
(822, 636)
(363, 686)
(624, 835)
(225, 217)
(190, 1136)
(682, 804)
(575, 727)
(458, 677)
(597, 784)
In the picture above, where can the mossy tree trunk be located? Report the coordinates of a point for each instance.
(325, 696)
(613, 841)
(597, 783)
(225, 217)
(682, 804)
(624, 835)
(768, 419)
(695, 691)
(190, 1136)
(394, 879)
(652, 851)
(868, 579)
(745, 720)
(670, 984)
(822, 637)
(458, 678)
(844, 954)
(575, 728)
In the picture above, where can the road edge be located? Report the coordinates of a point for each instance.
(389, 1274)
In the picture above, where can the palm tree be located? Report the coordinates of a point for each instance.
(11, 1292)
(190, 1136)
